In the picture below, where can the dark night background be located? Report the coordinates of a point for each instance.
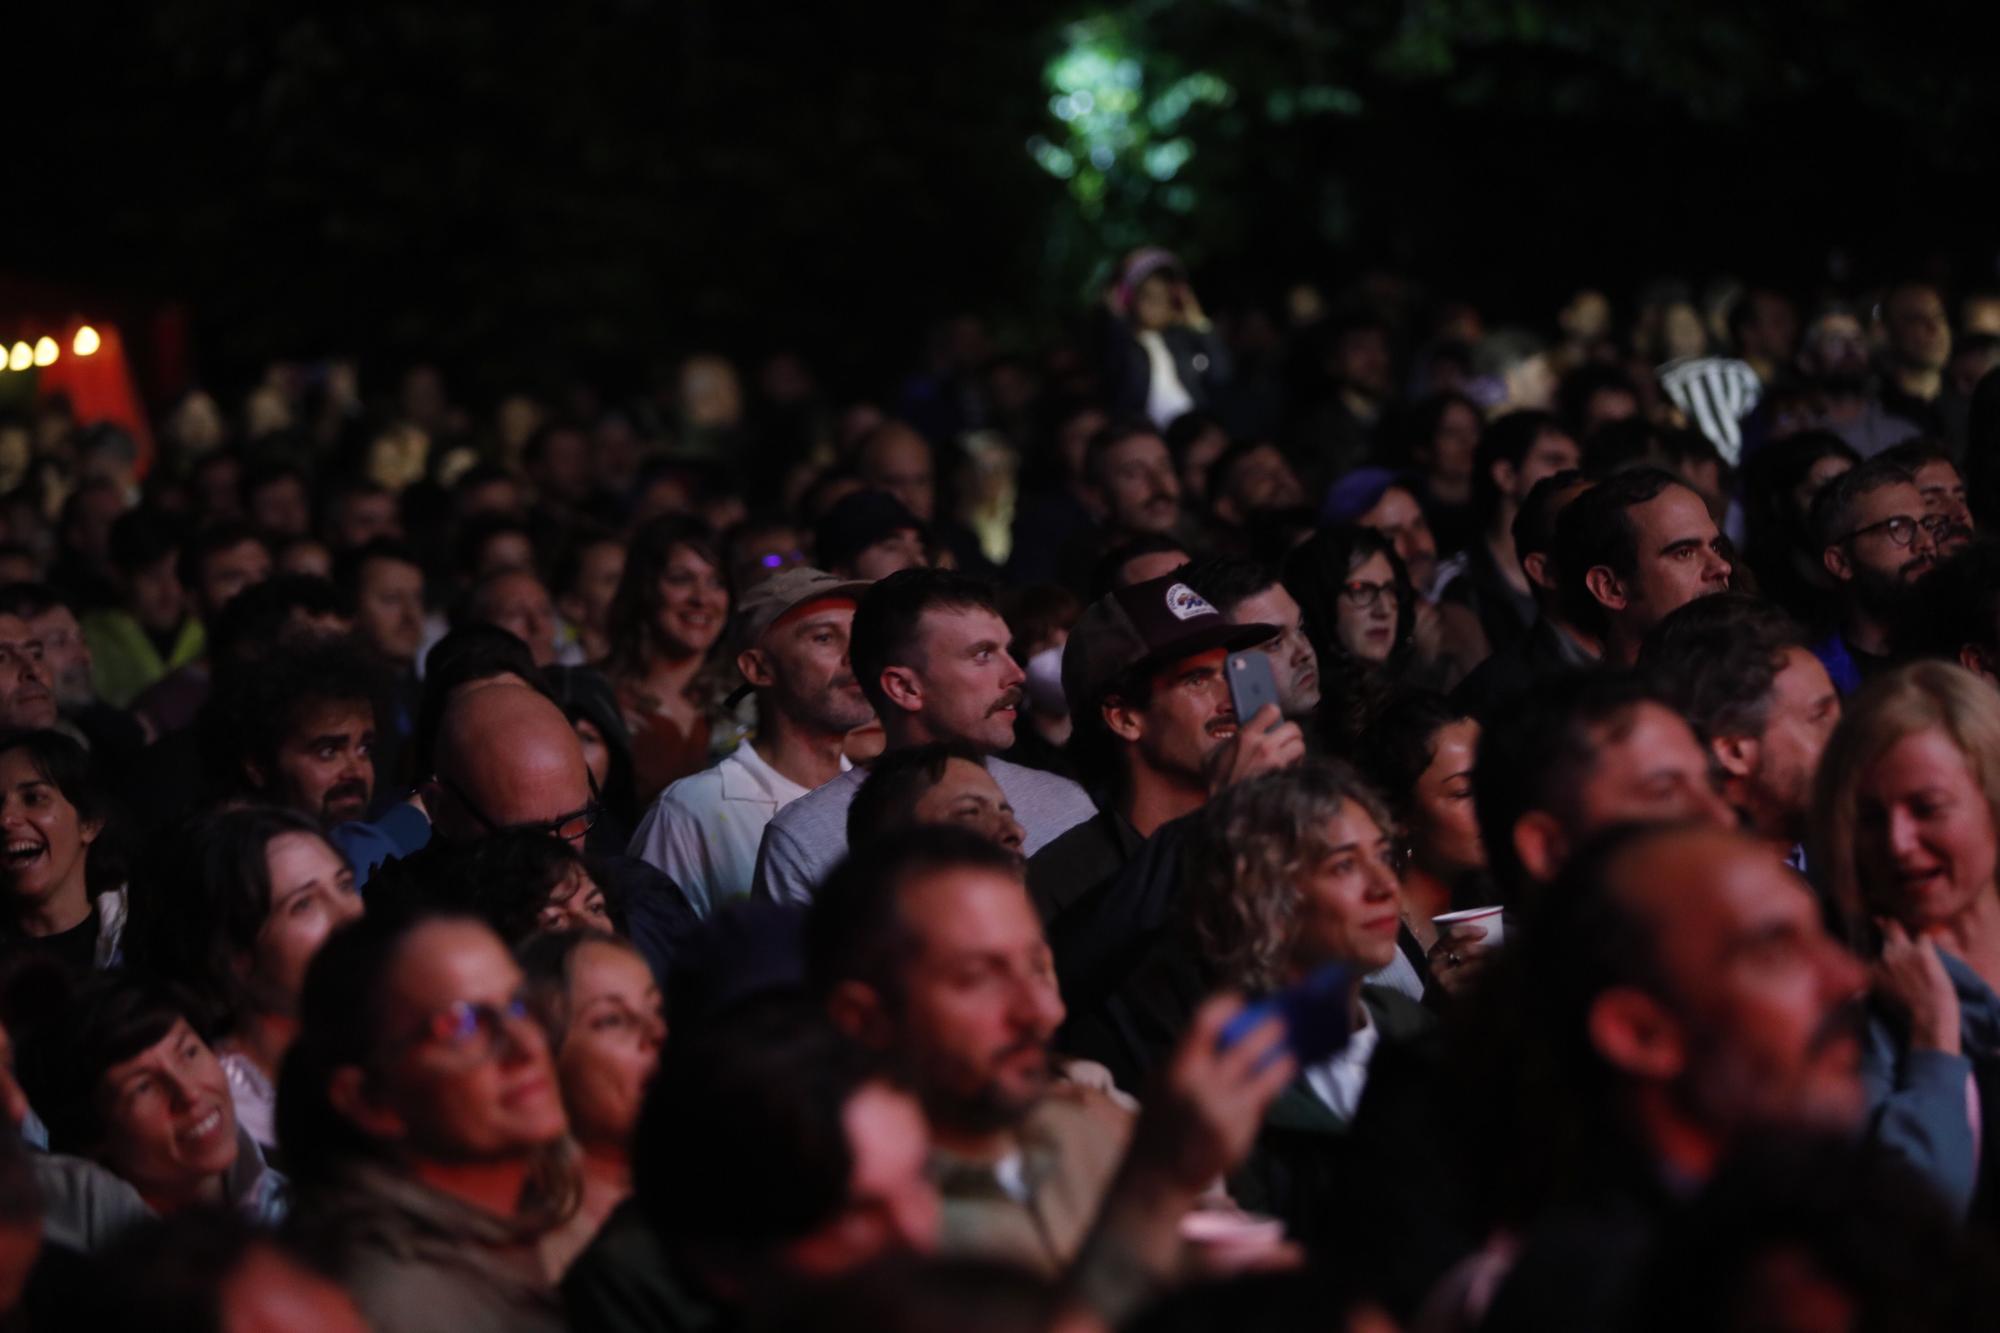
(527, 190)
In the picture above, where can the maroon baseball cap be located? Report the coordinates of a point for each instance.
(1146, 626)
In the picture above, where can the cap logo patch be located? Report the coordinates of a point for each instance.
(1184, 603)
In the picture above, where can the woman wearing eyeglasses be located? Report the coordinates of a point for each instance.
(421, 1106)
(599, 1005)
(1360, 613)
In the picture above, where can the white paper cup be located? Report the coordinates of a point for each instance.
(1487, 918)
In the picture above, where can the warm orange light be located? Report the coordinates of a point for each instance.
(46, 351)
(21, 357)
(86, 341)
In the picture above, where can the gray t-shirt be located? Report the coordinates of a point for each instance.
(807, 838)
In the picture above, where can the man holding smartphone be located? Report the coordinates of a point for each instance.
(1156, 732)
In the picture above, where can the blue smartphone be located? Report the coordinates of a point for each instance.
(1251, 685)
(1318, 1020)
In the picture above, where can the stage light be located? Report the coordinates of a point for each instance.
(21, 357)
(86, 341)
(46, 351)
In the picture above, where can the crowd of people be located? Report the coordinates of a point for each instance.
(744, 856)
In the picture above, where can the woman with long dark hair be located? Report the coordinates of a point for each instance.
(1359, 611)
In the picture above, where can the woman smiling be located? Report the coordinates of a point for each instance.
(50, 818)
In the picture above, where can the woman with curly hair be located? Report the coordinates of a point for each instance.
(1289, 872)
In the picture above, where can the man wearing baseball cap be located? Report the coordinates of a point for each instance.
(1155, 728)
(790, 635)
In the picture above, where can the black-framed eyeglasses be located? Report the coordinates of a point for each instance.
(1360, 594)
(1902, 529)
(569, 827)
(469, 1028)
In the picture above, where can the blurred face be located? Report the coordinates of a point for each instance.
(562, 469)
(1197, 458)
(1871, 561)
(967, 795)
(1262, 479)
(1351, 903)
(1532, 384)
(228, 572)
(1612, 402)
(389, 609)
(693, 603)
(1760, 992)
(312, 893)
(504, 550)
(1399, 518)
(1924, 842)
(464, 1074)
(1944, 496)
(280, 508)
(326, 766)
(1919, 332)
(45, 841)
(1444, 825)
(891, 1203)
(170, 1121)
(1804, 710)
(1552, 452)
(971, 687)
(899, 462)
(26, 698)
(1648, 768)
(902, 549)
(305, 555)
(519, 604)
(597, 575)
(158, 602)
(1294, 665)
(366, 516)
(1680, 557)
(1187, 718)
(1153, 304)
(805, 651)
(1454, 442)
(577, 903)
(1141, 492)
(610, 1044)
(979, 1002)
(1361, 361)
(1368, 608)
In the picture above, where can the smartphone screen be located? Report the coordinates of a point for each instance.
(1317, 1012)
(1251, 685)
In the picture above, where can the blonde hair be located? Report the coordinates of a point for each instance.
(1923, 696)
(1252, 847)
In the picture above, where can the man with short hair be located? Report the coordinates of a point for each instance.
(150, 633)
(1943, 488)
(791, 635)
(277, 503)
(945, 782)
(929, 651)
(306, 731)
(1515, 452)
(1249, 480)
(1573, 756)
(1916, 348)
(381, 584)
(1130, 480)
(113, 735)
(1249, 593)
(360, 512)
(26, 699)
(1878, 542)
(1740, 671)
(1554, 642)
(1688, 1001)
(215, 565)
(1630, 550)
(516, 601)
(869, 535)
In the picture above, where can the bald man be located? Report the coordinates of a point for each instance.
(507, 759)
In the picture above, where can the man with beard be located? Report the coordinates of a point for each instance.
(305, 730)
(1632, 549)
(929, 951)
(929, 651)
(791, 634)
(1877, 541)
(1130, 479)
(1833, 361)
(1687, 998)
(1943, 489)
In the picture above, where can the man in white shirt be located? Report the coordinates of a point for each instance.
(791, 635)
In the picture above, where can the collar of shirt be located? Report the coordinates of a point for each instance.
(746, 777)
(1339, 1080)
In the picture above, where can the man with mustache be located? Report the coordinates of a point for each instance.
(929, 651)
(1690, 1000)
(791, 638)
(306, 730)
(1878, 540)
(1130, 482)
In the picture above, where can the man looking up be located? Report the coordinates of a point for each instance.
(1633, 548)
(1248, 593)
(1877, 542)
(791, 638)
(929, 651)
(1740, 672)
(1573, 756)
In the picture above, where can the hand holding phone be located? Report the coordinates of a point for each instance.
(1252, 687)
(1318, 1014)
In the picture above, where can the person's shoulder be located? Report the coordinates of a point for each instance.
(1079, 1115)
(824, 804)
(1039, 783)
(1399, 1017)
(693, 793)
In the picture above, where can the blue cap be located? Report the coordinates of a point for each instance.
(1355, 494)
